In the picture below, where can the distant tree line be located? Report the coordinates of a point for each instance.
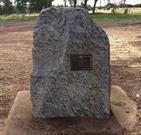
(23, 6)
(112, 5)
(6, 7)
(31, 6)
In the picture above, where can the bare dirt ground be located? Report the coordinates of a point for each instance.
(16, 62)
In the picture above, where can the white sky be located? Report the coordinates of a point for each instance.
(103, 2)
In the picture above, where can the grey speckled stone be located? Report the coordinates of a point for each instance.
(56, 91)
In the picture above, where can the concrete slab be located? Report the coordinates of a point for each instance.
(124, 109)
(21, 122)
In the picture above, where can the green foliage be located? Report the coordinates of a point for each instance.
(1, 10)
(21, 6)
(38, 5)
(32, 6)
(137, 5)
(7, 7)
(24, 6)
(110, 5)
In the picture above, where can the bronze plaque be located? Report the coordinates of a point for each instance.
(81, 62)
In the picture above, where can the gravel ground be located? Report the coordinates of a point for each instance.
(16, 63)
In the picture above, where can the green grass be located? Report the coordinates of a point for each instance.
(101, 17)
(15, 19)
(117, 17)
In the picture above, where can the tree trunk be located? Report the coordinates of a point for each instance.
(95, 1)
(70, 1)
(75, 2)
(85, 4)
(65, 3)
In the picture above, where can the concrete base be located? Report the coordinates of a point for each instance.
(21, 122)
(124, 108)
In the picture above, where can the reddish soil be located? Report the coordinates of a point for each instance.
(16, 62)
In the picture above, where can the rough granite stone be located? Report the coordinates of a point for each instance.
(56, 90)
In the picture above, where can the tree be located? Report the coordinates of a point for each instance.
(94, 6)
(48, 3)
(110, 5)
(125, 7)
(35, 6)
(73, 3)
(65, 3)
(38, 5)
(1, 10)
(85, 4)
(21, 5)
(7, 7)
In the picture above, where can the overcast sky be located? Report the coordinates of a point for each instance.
(103, 2)
(100, 2)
